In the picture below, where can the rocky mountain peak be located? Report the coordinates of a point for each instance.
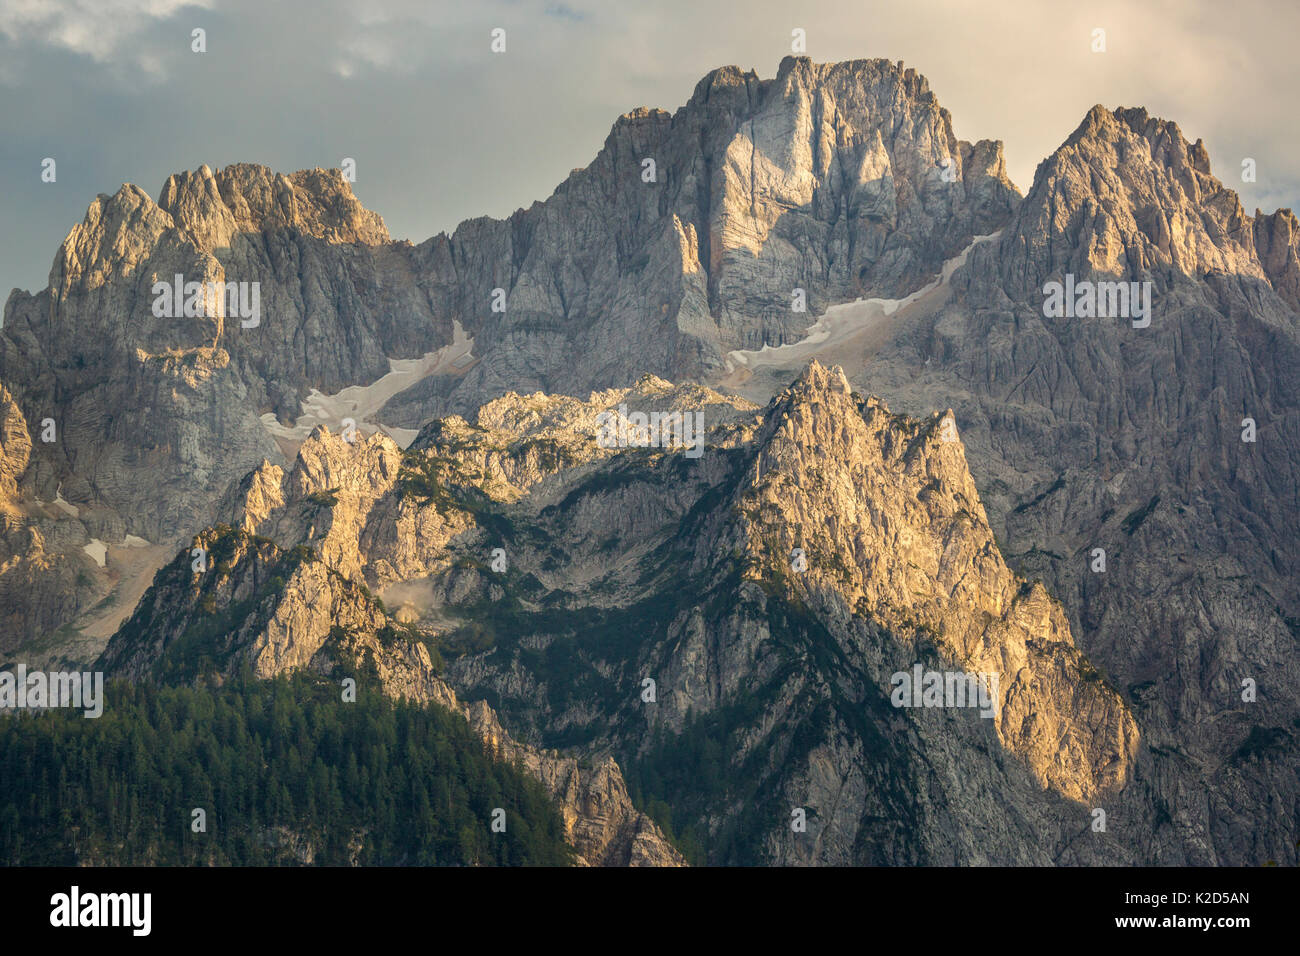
(107, 244)
(684, 238)
(1125, 196)
(821, 414)
(803, 71)
(816, 379)
(213, 207)
(209, 210)
(878, 515)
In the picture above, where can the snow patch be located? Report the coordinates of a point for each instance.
(403, 436)
(839, 322)
(63, 505)
(59, 502)
(97, 550)
(362, 402)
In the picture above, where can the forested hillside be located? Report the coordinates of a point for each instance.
(284, 771)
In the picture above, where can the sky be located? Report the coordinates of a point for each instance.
(442, 129)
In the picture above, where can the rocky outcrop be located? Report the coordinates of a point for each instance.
(890, 525)
(384, 516)
(598, 815)
(1277, 243)
(15, 444)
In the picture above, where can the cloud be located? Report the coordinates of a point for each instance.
(102, 30)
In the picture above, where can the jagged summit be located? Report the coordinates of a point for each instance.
(1126, 195)
(244, 197)
(817, 377)
(803, 70)
(211, 210)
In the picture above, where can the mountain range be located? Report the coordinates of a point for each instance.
(906, 460)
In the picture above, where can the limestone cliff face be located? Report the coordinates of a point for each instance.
(15, 444)
(599, 817)
(1277, 243)
(158, 414)
(891, 526)
(839, 179)
(46, 575)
